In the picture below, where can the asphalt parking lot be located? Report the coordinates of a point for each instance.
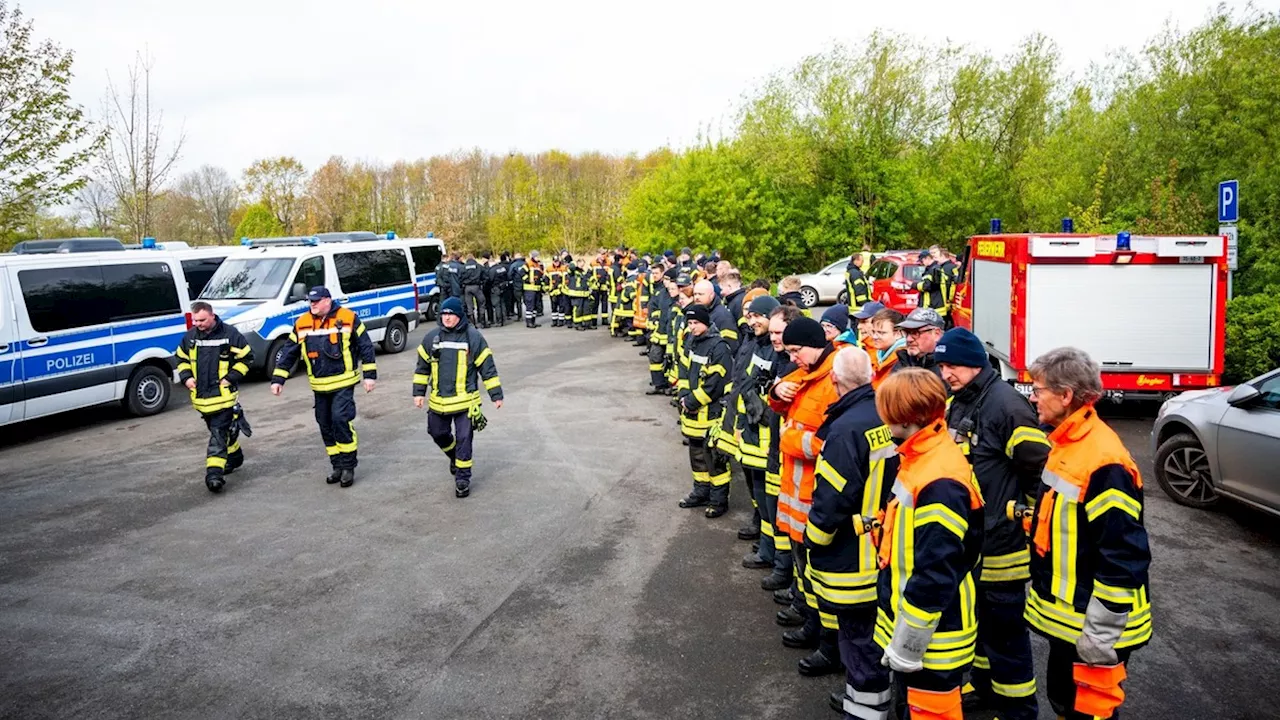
(569, 585)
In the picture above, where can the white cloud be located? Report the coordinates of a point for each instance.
(387, 80)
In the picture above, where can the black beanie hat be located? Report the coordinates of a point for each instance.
(805, 332)
(699, 313)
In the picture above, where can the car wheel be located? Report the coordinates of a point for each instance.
(148, 391)
(808, 296)
(843, 297)
(1182, 469)
(396, 338)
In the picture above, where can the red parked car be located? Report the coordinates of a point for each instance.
(894, 276)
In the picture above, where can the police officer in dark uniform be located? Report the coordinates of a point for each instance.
(336, 350)
(998, 431)
(213, 358)
(499, 288)
(472, 278)
(455, 275)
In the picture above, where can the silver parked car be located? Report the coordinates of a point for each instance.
(1225, 442)
(824, 286)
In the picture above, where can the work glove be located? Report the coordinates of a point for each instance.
(1102, 629)
(478, 420)
(906, 650)
(240, 423)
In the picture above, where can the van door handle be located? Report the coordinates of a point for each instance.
(37, 342)
(4, 347)
(342, 299)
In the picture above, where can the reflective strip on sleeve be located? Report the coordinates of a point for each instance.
(492, 383)
(1024, 434)
(944, 516)
(1112, 499)
(484, 355)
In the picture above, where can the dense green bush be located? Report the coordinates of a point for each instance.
(1253, 335)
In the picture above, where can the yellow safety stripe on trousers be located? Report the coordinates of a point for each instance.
(331, 450)
(452, 444)
(981, 662)
(1112, 499)
(215, 462)
(1060, 620)
(1024, 434)
(701, 477)
(766, 528)
(722, 479)
(1006, 568)
(233, 448)
(1017, 690)
(781, 542)
(464, 464)
(829, 621)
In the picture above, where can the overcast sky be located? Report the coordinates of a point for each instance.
(384, 79)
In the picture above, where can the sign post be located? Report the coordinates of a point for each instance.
(1228, 216)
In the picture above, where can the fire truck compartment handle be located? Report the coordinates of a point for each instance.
(1117, 364)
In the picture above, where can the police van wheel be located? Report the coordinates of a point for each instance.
(273, 353)
(396, 338)
(147, 392)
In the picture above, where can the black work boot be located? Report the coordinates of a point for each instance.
(776, 581)
(461, 491)
(347, 478)
(798, 638)
(334, 476)
(818, 664)
(214, 483)
(752, 561)
(836, 701)
(234, 461)
(790, 617)
(749, 532)
(783, 596)
(453, 465)
(697, 498)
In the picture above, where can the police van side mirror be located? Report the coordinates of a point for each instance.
(297, 293)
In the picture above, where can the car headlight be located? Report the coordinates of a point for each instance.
(248, 326)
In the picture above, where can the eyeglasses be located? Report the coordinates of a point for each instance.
(1036, 390)
(913, 332)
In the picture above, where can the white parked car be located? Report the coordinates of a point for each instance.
(824, 286)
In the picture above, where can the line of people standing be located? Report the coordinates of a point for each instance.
(915, 519)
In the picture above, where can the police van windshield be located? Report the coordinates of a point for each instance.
(248, 279)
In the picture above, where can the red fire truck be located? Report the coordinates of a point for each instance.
(1151, 310)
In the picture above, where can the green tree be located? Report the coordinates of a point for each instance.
(279, 183)
(259, 222)
(45, 140)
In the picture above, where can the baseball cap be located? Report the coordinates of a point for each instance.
(318, 292)
(869, 310)
(922, 317)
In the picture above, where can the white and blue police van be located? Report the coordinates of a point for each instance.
(87, 328)
(426, 254)
(198, 263)
(262, 289)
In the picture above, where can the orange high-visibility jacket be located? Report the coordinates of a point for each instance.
(798, 443)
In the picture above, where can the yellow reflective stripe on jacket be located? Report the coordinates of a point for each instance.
(1112, 499)
(1060, 620)
(492, 383)
(1024, 434)
(1006, 568)
(335, 382)
(945, 517)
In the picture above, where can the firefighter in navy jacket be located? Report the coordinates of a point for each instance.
(997, 430)
(212, 360)
(701, 388)
(855, 471)
(337, 352)
(929, 546)
(453, 361)
(1089, 549)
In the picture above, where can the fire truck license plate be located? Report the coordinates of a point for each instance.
(1024, 388)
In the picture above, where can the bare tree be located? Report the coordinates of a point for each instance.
(133, 162)
(215, 196)
(97, 203)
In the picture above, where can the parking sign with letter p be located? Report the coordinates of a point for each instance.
(1229, 201)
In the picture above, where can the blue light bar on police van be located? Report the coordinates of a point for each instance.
(148, 243)
(391, 234)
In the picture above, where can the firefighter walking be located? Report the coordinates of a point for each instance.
(454, 360)
(337, 351)
(212, 360)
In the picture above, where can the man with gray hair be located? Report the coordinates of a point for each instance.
(704, 294)
(856, 470)
(1089, 554)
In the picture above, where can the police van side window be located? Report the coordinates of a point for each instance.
(425, 258)
(140, 290)
(310, 273)
(369, 270)
(63, 298)
(198, 272)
